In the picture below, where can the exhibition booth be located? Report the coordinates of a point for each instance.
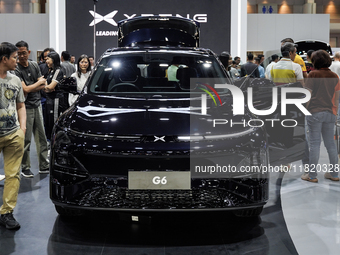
(133, 123)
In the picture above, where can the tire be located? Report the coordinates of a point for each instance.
(253, 212)
(68, 213)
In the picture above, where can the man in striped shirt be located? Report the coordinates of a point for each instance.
(297, 59)
(286, 71)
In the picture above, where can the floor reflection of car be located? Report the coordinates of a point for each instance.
(136, 140)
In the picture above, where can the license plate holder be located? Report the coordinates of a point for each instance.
(161, 180)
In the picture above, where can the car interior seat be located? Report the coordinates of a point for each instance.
(184, 75)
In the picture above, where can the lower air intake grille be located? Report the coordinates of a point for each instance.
(160, 199)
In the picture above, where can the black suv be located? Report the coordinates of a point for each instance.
(138, 139)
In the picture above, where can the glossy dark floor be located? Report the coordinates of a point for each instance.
(44, 232)
(299, 218)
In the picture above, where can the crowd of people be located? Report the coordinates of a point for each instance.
(320, 75)
(30, 103)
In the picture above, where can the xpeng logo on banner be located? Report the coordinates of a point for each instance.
(202, 18)
(99, 18)
(109, 18)
(239, 107)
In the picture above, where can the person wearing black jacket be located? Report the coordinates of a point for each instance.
(53, 108)
(250, 68)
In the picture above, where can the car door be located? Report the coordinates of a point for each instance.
(285, 133)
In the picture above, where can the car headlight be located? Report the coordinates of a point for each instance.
(62, 150)
(195, 138)
(255, 165)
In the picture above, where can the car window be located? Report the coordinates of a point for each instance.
(148, 73)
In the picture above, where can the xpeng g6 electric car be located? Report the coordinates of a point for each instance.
(154, 130)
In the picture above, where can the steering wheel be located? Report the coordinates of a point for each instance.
(124, 84)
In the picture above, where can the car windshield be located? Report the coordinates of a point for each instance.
(161, 72)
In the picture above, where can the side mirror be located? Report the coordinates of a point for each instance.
(68, 85)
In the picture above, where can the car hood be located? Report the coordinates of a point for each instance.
(102, 115)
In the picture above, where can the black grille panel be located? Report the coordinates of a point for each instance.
(113, 193)
(160, 199)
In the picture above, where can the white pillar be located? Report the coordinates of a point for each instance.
(309, 7)
(238, 29)
(57, 19)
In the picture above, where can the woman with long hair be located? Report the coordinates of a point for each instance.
(52, 108)
(83, 72)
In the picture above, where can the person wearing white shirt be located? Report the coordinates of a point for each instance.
(83, 72)
(285, 70)
(275, 59)
(335, 66)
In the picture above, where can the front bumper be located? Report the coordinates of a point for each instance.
(93, 173)
(105, 193)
